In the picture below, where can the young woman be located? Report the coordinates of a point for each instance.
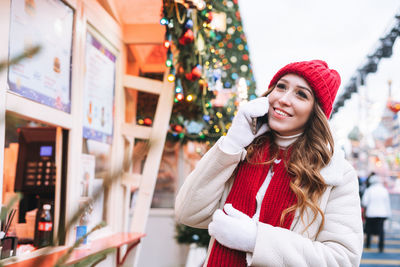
(282, 196)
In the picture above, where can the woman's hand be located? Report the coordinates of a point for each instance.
(234, 229)
(240, 134)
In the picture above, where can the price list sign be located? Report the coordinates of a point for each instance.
(45, 77)
(99, 91)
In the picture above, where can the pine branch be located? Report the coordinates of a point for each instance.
(65, 257)
(27, 54)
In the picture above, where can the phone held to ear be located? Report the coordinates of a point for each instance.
(257, 122)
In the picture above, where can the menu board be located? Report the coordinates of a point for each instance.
(45, 77)
(98, 93)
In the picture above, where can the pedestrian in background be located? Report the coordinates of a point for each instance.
(283, 195)
(376, 202)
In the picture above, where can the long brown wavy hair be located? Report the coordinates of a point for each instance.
(311, 152)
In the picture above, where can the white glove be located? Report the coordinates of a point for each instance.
(240, 134)
(234, 229)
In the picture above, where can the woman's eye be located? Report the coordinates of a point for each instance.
(302, 94)
(281, 86)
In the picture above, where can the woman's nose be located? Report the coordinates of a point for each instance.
(285, 98)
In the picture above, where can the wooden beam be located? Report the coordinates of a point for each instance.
(143, 84)
(153, 68)
(153, 159)
(131, 179)
(136, 131)
(111, 8)
(39, 112)
(143, 33)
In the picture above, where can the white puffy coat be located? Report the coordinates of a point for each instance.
(339, 243)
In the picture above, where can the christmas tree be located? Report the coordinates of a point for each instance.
(209, 63)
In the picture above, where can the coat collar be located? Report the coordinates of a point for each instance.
(333, 172)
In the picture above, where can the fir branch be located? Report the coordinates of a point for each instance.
(27, 54)
(65, 257)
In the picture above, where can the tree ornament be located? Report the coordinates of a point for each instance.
(394, 106)
(209, 17)
(193, 127)
(200, 43)
(189, 24)
(244, 68)
(212, 34)
(196, 73)
(178, 128)
(201, 5)
(188, 76)
(187, 37)
(202, 82)
(147, 121)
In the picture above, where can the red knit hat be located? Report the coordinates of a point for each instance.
(325, 82)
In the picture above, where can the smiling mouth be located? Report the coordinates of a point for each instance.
(282, 113)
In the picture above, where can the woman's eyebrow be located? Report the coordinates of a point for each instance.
(299, 86)
(305, 88)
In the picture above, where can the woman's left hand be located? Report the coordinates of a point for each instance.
(234, 229)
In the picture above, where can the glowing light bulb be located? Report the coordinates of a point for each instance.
(178, 89)
(171, 78)
(179, 96)
(164, 21)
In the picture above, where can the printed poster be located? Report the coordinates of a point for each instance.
(99, 91)
(45, 77)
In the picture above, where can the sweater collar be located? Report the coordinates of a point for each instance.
(285, 141)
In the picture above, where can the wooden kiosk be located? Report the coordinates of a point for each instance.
(94, 60)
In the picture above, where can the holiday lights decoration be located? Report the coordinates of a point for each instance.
(207, 55)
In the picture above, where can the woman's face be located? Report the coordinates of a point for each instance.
(290, 105)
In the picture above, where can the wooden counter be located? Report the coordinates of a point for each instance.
(112, 242)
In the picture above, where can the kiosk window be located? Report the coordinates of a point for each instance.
(30, 169)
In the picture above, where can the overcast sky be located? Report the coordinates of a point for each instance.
(341, 32)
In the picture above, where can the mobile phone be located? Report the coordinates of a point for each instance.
(257, 122)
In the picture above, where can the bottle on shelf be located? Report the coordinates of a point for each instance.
(45, 227)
